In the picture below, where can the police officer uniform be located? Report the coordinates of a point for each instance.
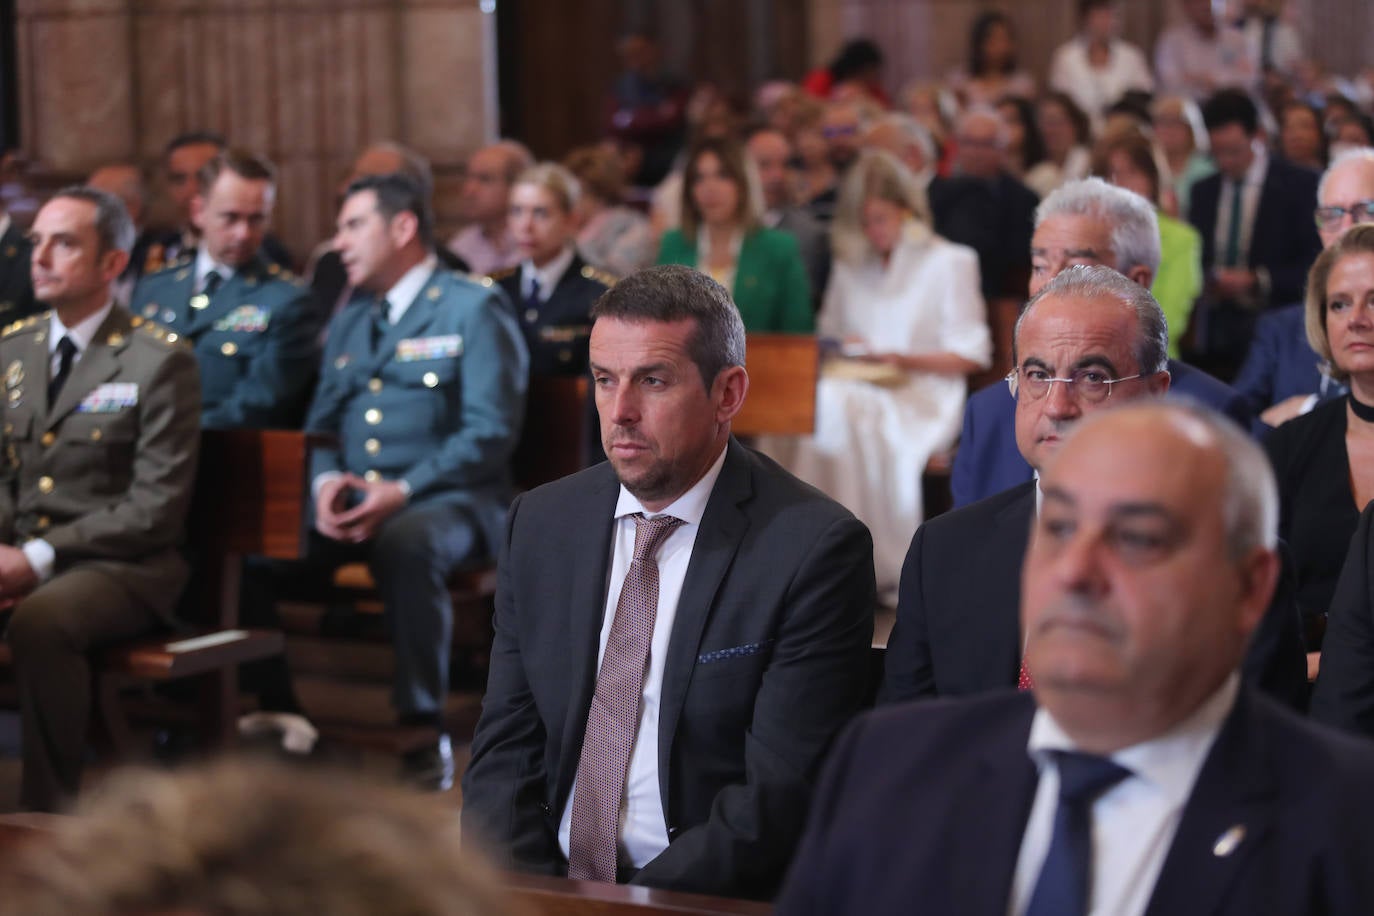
(99, 483)
(434, 401)
(16, 289)
(254, 333)
(554, 315)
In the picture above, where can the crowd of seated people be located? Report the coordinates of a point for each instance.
(682, 630)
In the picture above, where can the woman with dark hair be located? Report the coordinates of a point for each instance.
(992, 71)
(1302, 140)
(1067, 135)
(860, 61)
(721, 236)
(1025, 146)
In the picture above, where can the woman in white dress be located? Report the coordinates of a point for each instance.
(906, 306)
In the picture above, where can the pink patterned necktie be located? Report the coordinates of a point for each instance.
(614, 715)
(1023, 678)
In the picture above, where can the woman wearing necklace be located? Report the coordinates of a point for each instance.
(721, 236)
(1325, 459)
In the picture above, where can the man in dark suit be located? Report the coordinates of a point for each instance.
(1282, 375)
(956, 631)
(16, 292)
(771, 153)
(689, 766)
(101, 426)
(1255, 219)
(1141, 775)
(253, 325)
(1083, 222)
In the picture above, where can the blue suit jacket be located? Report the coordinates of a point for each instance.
(254, 341)
(1281, 363)
(437, 402)
(989, 462)
(922, 807)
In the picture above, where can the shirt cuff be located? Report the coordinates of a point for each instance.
(41, 557)
(321, 480)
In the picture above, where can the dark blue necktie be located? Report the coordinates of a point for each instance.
(532, 300)
(1066, 877)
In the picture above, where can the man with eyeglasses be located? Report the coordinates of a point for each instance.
(1088, 339)
(1281, 369)
(486, 243)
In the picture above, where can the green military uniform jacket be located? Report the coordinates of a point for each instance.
(105, 476)
(255, 339)
(771, 289)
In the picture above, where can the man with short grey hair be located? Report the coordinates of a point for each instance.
(1089, 339)
(771, 153)
(1083, 222)
(486, 243)
(1141, 774)
(680, 631)
(101, 425)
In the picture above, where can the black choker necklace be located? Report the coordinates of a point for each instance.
(1364, 411)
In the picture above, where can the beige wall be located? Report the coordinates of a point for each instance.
(308, 82)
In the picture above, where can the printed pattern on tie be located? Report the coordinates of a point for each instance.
(613, 718)
(1023, 678)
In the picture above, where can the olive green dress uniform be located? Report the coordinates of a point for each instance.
(255, 339)
(105, 477)
(16, 288)
(557, 327)
(436, 400)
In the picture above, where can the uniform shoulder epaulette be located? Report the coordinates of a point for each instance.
(24, 324)
(276, 272)
(151, 330)
(605, 278)
(182, 262)
(496, 276)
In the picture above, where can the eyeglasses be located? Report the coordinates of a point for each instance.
(1361, 211)
(1092, 386)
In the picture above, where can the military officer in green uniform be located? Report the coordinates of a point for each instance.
(101, 423)
(253, 327)
(16, 292)
(423, 384)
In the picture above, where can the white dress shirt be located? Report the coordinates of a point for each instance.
(1134, 822)
(205, 264)
(39, 552)
(1092, 87)
(1189, 62)
(643, 827)
(548, 275)
(1251, 186)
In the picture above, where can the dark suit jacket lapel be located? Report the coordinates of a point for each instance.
(586, 609)
(98, 364)
(1009, 538)
(986, 845)
(722, 528)
(1235, 793)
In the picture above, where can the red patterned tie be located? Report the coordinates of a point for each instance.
(614, 715)
(1023, 678)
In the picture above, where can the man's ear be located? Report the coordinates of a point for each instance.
(198, 211)
(403, 228)
(1141, 275)
(730, 389)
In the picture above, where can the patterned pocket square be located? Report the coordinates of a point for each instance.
(720, 655)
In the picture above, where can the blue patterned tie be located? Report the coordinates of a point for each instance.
(1065, 881)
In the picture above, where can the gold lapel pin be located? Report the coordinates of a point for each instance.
(1229, 841)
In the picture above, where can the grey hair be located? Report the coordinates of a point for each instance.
(913, 131)
(986, 113)
(113, 227)
(1094, 281)
(1358, 154)
(1250, 493)
(672, 292)
(1135, 228)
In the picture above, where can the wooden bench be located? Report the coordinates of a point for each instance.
(783, 369)
(249, 499)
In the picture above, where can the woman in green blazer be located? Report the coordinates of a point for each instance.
(721, 237)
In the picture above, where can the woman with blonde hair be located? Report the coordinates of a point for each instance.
(906, 308)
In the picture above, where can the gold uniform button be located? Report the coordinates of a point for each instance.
(44, 521)
(45, 484)
(229, 348)
(372, 476)
(48, 438)
(373, 416)
(95, 435)
(430, 379)
(372, 446)
(374, 385)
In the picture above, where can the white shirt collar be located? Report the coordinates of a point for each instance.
(205, 264)
(407, 289)
(82, 334)
(548, 275)
(690, 506)
(1170, 761)
(1259, 166)
(4, 223)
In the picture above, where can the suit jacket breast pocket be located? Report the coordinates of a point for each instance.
(742, 661)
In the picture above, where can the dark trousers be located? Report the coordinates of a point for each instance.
(411, 558)
(52, 633)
